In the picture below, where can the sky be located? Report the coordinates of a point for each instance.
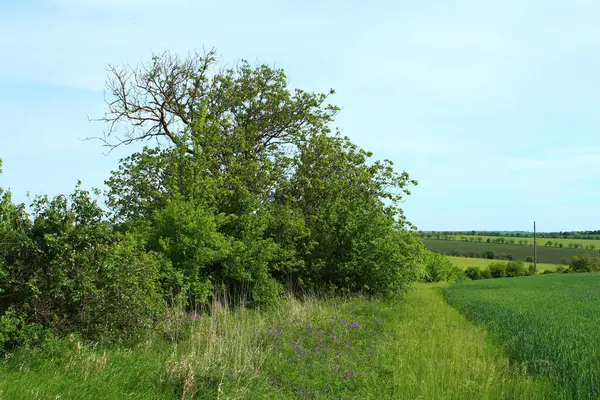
(493, 106)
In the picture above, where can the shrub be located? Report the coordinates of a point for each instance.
(473, 273)
(71, 273)
(585, 263)
(438, 268)
(497, 270)
(515, 268)
(560, 269)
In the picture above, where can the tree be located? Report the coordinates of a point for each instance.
(249, 189)
(163, 98)
(585, 263)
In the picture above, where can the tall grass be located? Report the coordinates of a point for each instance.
(416, 347)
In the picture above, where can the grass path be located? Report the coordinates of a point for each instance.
(438, 354)
(418, 347)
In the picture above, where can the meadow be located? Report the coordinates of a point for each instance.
(310, 349)
(545, 255)
(466, 262)
(548, 323)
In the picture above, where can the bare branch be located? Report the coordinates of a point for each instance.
(155, 99)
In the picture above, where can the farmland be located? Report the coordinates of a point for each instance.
(529, 241)
(548, 255)
(466, 262)
(547, 323)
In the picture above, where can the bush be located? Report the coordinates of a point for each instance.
(473, 273)
(486, 274)
(71, 273)
(515, 268)
(497, 270)
(438, 269)
(585, 263)
(548, 271)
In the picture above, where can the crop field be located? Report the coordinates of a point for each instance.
(548, 323)
(540, 241)
(466, 262)
(547, 255)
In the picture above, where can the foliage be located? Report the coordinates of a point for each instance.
(247, 192)
(516, 268)
(497, 269)
(473, 273)
(585, 263)
(70, 273)
(255, 193)
(439, 268)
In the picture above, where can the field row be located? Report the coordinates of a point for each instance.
(543, 242)
(547, 255)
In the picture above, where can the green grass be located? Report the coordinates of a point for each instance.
(540, 241)
(547, 255)
(548, 323)
(419, 347)
(466, 262)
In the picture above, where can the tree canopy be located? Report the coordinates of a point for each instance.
(247, 190)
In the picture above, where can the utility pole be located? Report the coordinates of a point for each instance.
(534, 251)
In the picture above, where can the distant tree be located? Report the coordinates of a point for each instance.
(490, 254)
(560, 245)
(529, 259)
(488, 240)
(515, 268)
(548, 243)
(473, 273)
(585, 263)
(570, 245)
(497, 269)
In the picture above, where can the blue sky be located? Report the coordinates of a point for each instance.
(493, 106)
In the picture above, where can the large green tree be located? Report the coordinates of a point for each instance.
(248, 188)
